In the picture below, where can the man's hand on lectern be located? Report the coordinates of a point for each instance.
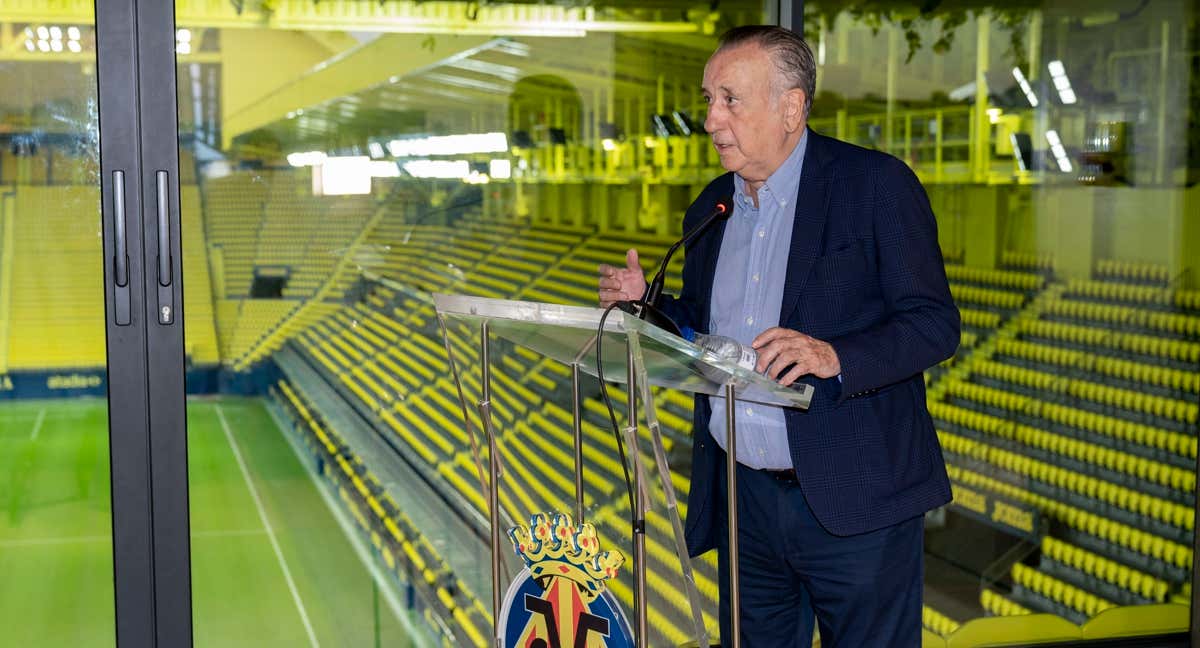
(622, 284)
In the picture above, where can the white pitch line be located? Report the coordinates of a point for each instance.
(262, 515)
(37, 425)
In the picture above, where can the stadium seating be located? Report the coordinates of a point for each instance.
(242, 323)
(233, 214)
(1121, 270)
(1027, 261)
(1065, 599)
(1083, 406)
(201, 329)
(55, 314)
(996, 604)
(57, 304)
(937, 622)
(268, 220)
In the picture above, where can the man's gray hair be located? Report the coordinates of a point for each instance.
(791, 55)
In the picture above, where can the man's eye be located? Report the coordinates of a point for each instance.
(731, 100)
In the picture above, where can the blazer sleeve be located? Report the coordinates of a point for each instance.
(921, 327)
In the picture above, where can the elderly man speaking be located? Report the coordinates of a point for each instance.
(830, 268)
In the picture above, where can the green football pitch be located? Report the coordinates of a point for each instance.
(271, 565)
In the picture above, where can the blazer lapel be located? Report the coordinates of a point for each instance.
(812, 206)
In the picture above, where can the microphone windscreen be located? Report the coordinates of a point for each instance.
(724, 206)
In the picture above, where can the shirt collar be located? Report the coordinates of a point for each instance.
(783, 184)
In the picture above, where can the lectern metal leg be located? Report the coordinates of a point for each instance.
(671, 505)
(641, 606)
(735, 596)
(476, 454)
(578, 431)
(485, 415)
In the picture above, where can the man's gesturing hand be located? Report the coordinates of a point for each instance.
(778, 348)
(622, 284)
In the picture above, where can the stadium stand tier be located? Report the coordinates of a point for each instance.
(53, 306)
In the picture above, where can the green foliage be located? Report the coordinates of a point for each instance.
(946, 15)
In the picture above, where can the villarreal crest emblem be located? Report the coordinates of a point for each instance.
(559, 600)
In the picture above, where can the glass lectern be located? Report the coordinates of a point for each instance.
(640, 357)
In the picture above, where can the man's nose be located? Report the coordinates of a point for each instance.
(712, 120)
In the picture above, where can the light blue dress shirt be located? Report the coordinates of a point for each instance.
(747, 295)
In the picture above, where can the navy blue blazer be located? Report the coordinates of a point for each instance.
(865, 274)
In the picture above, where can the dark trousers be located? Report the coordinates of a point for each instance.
(865, 590)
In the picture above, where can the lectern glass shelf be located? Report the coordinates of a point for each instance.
(533, 350)
(567, 333)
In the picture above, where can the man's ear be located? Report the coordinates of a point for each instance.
(793, 109)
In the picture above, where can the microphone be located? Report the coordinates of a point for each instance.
(653, 296)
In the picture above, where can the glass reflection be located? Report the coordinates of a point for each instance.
(342, 175)
(1059, 149)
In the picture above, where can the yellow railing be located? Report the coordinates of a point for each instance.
(1118, 622)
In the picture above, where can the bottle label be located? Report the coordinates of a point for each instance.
(747, 357)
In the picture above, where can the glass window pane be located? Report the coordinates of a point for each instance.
(56, 566)
(341, 162)
(339, 166)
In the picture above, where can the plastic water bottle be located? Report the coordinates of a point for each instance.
(724, 348)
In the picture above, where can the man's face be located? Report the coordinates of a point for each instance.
(747, 124)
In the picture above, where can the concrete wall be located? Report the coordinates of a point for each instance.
(1078, 225)
(257, 62)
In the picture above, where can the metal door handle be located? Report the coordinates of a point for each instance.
(166, 293)
(164, 230)
(122, 254)
(121, 306)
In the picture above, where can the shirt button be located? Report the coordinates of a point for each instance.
(783, 203)
(762, 233)
(756, 276)
(749, 320)
(749, 412)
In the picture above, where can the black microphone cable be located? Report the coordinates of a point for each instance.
(635, 525)
(612, 417)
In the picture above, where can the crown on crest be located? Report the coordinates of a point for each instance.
(554, 547)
